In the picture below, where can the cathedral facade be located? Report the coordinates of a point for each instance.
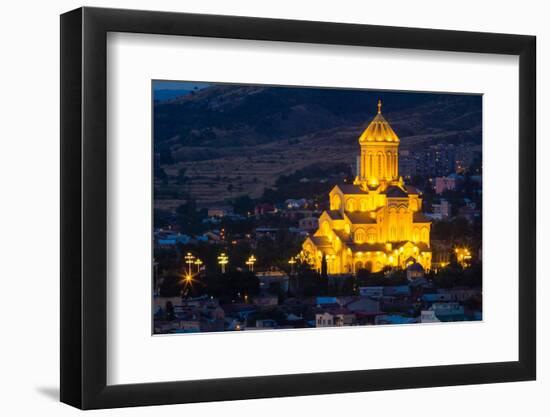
(377, 221)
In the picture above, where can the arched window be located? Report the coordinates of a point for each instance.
(326, 228)
(388, 165)
(359, 236)
(371, 236)
(350, 205)
(370, 173)
(393, 233)
(416, 235)
(364, 204)
(336, 202)
(379, 165)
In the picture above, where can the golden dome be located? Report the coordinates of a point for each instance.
(379, 130)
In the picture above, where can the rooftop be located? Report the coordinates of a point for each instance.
(320, 241)
(378, 130)
(334, 214)
(394, 191)
(358, 217)
(351, 189)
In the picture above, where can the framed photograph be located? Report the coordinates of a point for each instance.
(257, 208)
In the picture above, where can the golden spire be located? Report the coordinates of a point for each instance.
(379, 130)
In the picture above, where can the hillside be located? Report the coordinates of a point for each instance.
(243, 138)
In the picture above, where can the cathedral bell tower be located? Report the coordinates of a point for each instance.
(378, 161)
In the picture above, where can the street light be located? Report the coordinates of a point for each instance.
(292, 262)
(223, 260)
(250, 262)
(188, 278)
(189, 258)
(198, 262)
(463, 256)
(187, 282)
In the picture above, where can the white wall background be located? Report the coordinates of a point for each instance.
(29, 209)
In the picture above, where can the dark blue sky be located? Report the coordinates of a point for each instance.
(177, 85)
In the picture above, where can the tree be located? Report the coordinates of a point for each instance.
(171, 285)
(311, 284)
(243, 205)
(362, 277)
(230, 286)
(324, 267)
(244, 282)
(347, 287)
(473, 275)
(170, 314)
(189, 219)
(449, 276)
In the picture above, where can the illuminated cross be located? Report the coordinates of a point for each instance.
(223, 260)
(379, 106)
(250, 262)
(189, 258)
(198, 262)
(292, 261)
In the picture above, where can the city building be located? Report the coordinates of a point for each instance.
(343, 317)
(273, 279)
(324, 320)
(407, 165)
(448, 311)
(441, 210)
(445, 183)
(364, 305)
(428, 316)
(264, 208)
(221, 211)
(292, 203)
(415, 271)
(377, 221)
(394, 319)
(371, 291)
(266, 301)
(469, 213)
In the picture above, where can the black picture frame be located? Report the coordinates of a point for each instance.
(84, 207)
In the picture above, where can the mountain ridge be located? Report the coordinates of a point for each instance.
(227, 115)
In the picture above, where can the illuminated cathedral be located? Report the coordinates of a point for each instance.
(377, 221)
